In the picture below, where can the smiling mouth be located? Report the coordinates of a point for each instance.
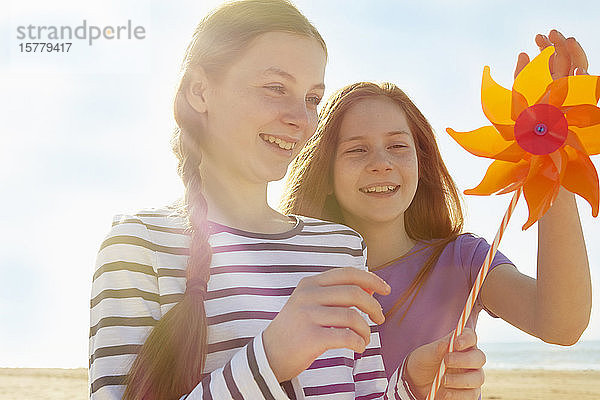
(276, 141)
(383, 189)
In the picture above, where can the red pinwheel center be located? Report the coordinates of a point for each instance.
(541, 129)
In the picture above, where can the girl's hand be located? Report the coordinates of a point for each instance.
(317, 317)
(464, 374)
(568, 59)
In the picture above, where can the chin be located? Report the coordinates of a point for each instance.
(383, 218)
(274, 175)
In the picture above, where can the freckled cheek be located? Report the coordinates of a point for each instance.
(345, 178)
(411, 175)
(408, 164)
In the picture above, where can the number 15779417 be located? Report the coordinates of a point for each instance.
(40, 47)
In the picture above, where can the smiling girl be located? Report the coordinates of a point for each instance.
(374, 165)
(222, 297)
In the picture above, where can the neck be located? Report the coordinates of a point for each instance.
(385, 240)
(241, 204)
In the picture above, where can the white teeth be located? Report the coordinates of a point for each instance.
(281, 143)
(379, 189)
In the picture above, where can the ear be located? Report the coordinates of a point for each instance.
(329, 185)
(197, 90)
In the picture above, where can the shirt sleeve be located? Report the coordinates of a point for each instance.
(246, 376)
(125, 306)
(399, 383)
(369, 375)
(473, 251)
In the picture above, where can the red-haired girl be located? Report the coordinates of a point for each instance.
(374, 165)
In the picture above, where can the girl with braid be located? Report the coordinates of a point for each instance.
(220, 296)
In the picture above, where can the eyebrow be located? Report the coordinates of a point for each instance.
(391, 133)
(288, 76)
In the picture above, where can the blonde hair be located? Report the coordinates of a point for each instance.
(434, 213)
(171, 361)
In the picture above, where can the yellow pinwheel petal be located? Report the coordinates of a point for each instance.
(540, 188)
(495, 100)
(581, 177)
(589, 138)
(487, 142)
(583, 89)
(501, 176)
(533, 80)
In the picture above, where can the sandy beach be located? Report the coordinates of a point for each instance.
(61, 384)
(43, 384)
(541, 384)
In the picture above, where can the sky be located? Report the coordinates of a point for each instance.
(85, 134)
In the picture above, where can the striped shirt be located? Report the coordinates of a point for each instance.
(140, 275)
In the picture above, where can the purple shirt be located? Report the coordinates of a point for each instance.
(437, 307)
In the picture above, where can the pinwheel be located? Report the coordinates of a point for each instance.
(542, 134)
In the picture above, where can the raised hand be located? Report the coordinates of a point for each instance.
(318, 317)
(464, 375)
(568, 59)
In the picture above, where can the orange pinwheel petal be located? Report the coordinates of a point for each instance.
(495, 100)
(487, 142)
(501, 176)
(506, 131)
(540, 188)
(583, 115)
(574, 142)
(589, 137)
(581, 177)
(533, 80)
(560, 160)
(557, 92)
(583, 89)
(518, 104)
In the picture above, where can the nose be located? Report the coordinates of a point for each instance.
(379, 161)
(296, 114)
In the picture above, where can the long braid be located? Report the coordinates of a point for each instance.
(198, 266)
(175, 350)
(171, 361)
(197, 209)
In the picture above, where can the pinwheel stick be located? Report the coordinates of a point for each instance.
(474, 292)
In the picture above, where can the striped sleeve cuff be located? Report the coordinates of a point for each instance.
(261, 371)
(247, 375)
(398, 387)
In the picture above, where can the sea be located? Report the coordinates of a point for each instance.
(584, 355)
